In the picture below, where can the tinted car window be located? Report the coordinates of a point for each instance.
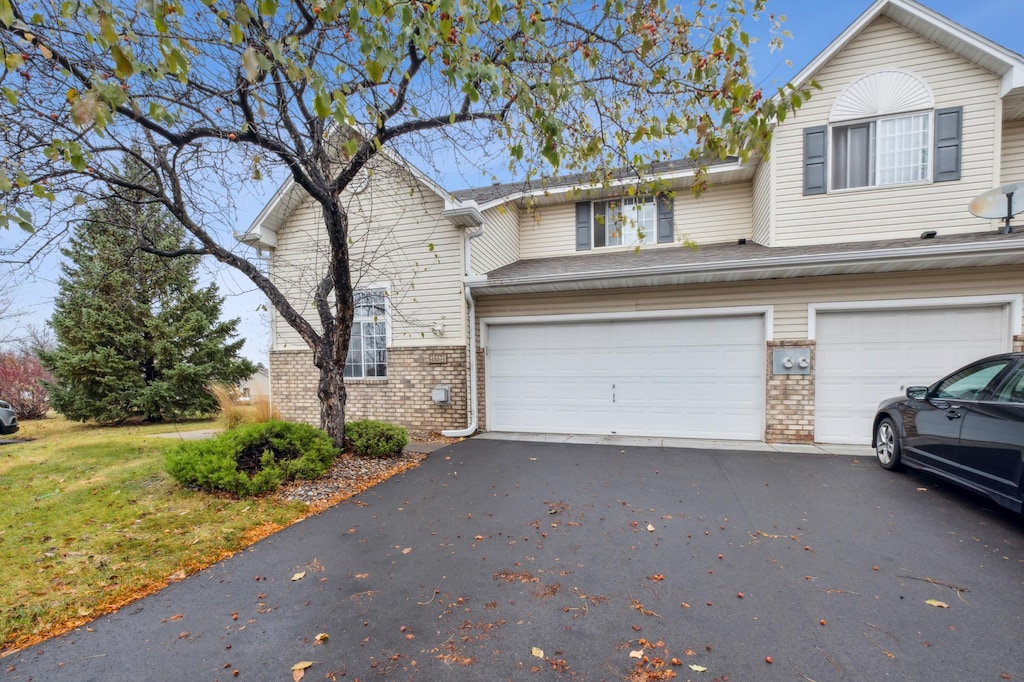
(969, 382)
(1012, 390)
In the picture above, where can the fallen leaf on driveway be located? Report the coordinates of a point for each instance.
(299, 670)
(537, 652)
(698, 668)
(406, 550)
(937, 603)
(657, 577)
(650, 528)
(299, 576)
(639, 653)
(321, 638)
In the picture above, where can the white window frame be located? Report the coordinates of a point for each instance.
(874, 152)
(627, 237)
(369, 319)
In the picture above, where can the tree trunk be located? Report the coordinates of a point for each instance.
(331, 392)
(331, 352)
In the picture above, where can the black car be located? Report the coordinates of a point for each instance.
(967, 427)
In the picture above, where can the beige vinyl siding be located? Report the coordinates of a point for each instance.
(788, 298)
(721, 214)
(398, 238)
(894, 211)
(499, 244)
(762, 212)
(546, 231)
(1013, 152)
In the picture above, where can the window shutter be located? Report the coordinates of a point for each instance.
(948, 125)
(583, 226)
(666, 226)
(815, 159)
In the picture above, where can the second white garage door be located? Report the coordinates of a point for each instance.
(681, 377)
(866, 356)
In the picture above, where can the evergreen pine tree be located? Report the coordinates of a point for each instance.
(137, 337)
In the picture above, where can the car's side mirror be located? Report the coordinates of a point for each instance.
(917, 392)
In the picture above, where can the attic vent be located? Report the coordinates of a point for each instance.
(881, 93)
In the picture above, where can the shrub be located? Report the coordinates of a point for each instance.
(252, 459)
(370, 438)
(20, 377)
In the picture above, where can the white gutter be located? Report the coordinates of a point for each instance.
(468, 215)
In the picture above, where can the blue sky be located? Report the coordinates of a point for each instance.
(813, 24)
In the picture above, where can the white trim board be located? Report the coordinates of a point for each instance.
(767, 311)
(1013, 302)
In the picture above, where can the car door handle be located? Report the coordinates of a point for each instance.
(955, 413)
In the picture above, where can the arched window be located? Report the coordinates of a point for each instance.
(883, 129)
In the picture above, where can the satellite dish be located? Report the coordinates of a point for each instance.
(1001, 203)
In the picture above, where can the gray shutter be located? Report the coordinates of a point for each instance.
(948, 124)
(583, 226)
(666, 226)
(815, 160)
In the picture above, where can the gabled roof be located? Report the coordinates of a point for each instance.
(945, 33)
(542, 190)
(262, 232)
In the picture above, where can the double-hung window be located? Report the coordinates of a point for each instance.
(368, 347)
(626, 221)
(630, 221)
(886, 151)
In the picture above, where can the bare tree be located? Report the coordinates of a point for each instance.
(214, 95)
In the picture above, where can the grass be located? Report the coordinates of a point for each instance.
(90, 521)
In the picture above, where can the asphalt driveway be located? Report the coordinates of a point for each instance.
(504, 560)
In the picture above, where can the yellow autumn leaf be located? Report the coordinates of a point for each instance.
(698, 668)
(250, 64)
(322, 637)
(650, 528)
(937, 603)
(537, 652)
(302, 665)
(299, 576)
(639, 653)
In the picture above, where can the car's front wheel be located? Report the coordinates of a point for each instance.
(887, 445)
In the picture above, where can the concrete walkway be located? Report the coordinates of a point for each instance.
(687, 443)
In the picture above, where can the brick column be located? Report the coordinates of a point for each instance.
(789, 399)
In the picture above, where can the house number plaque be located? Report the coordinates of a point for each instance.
(437, 358)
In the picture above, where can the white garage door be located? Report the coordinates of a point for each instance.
(683, 377)
(864, 357)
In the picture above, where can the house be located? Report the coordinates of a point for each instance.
(839, 268)
(256, 386)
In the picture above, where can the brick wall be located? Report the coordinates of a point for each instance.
(1018, 343)
(789, 407)
(403, 398)
(481, 390)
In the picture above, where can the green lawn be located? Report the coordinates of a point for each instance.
(89, 520)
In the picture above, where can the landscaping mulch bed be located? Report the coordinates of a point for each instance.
(351, 475)
(348, 476)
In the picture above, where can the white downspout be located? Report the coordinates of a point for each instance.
(471, 305)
